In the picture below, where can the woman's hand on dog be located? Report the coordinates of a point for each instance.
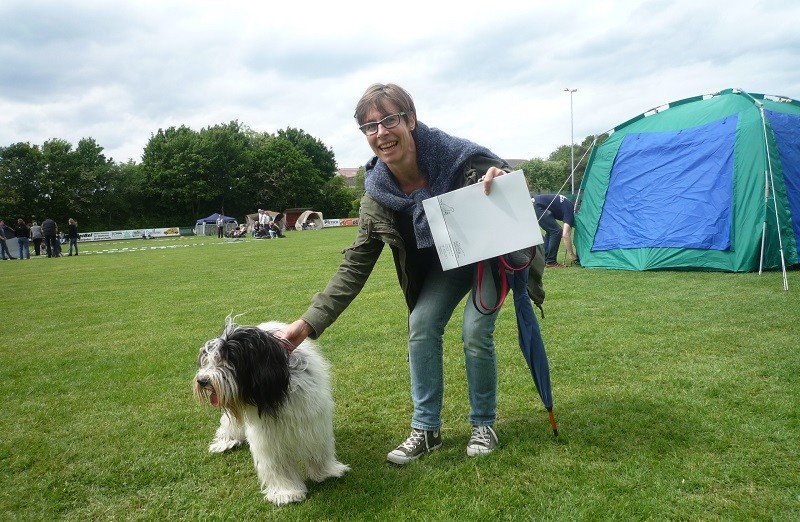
(295, 334)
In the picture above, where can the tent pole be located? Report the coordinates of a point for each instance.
(770, 187)
(763, 237)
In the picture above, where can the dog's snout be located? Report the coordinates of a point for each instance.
(203, 381)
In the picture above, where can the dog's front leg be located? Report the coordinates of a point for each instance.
(230, 434)
(280, 484)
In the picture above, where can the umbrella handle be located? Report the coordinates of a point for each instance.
(553, 421)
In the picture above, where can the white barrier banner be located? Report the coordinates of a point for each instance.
(139, 233)
(344, 222)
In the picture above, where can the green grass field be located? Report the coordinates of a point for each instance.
(676, 393)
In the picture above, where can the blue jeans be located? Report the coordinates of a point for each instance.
(440, 295)
(73, 241)
(24, 248)
(552, 236)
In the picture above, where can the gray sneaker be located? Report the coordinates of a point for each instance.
(482, 441)
(416, 445)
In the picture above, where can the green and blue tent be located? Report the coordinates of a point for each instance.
(706, 183)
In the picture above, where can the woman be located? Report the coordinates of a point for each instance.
(37, 236)
(72, 235)
(413, 162)
(23, 233)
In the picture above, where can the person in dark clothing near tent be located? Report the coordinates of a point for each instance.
(3, 245)
(50, 230)
(549, 208)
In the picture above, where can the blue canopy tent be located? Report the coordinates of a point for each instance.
(207, 226)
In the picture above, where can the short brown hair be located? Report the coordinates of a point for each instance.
(381, 95)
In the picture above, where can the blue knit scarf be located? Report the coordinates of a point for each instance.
(441, 159)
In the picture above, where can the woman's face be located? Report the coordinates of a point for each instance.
(393, 145)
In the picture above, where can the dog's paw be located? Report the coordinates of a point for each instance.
(223, 445)
(332, 469)
(340, 469)
(284, 496)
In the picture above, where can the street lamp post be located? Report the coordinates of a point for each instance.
(572, 139)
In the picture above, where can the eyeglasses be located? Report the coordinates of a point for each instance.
(371, 127)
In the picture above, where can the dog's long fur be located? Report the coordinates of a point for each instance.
(279, 403)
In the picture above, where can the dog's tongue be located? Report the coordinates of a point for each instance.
(214, 399)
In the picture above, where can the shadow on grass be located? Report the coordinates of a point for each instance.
(621, 426)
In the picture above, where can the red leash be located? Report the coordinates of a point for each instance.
(505, 265)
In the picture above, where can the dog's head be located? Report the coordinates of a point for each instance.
(243, 366)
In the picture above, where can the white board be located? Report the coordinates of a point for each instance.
(469, 226)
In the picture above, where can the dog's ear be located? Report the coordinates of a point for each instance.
(262, 367)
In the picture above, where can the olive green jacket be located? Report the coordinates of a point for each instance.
(377, 227)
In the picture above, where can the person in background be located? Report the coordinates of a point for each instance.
(412, 162)
(263, 219)
(50, 231)
(275, 230)
(3, 245)
(549, 208)
(72, 236)
(37, 237)
(220, 226)
(23, 233)
(240, 231)
(60, 240)
(256, 229)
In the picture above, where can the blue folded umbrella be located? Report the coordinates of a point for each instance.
(530, 340)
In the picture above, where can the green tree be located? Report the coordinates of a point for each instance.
(582, 153)
(543, 175)
(321, 156)
(88, 185)
(173, 164)
(227, 151)
(124, 204)
(336, 198)
(284, 176)
(55, 180)
(60, 177)
(292, 169)
(230, 168)
(21, 166)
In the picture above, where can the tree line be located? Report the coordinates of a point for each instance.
(183, 175)
(186, 174)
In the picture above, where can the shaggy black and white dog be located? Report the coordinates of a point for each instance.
(277, 402)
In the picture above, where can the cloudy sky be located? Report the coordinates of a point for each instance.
(493, 72)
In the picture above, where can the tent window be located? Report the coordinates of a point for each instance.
(786, 128)
(671, 190)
